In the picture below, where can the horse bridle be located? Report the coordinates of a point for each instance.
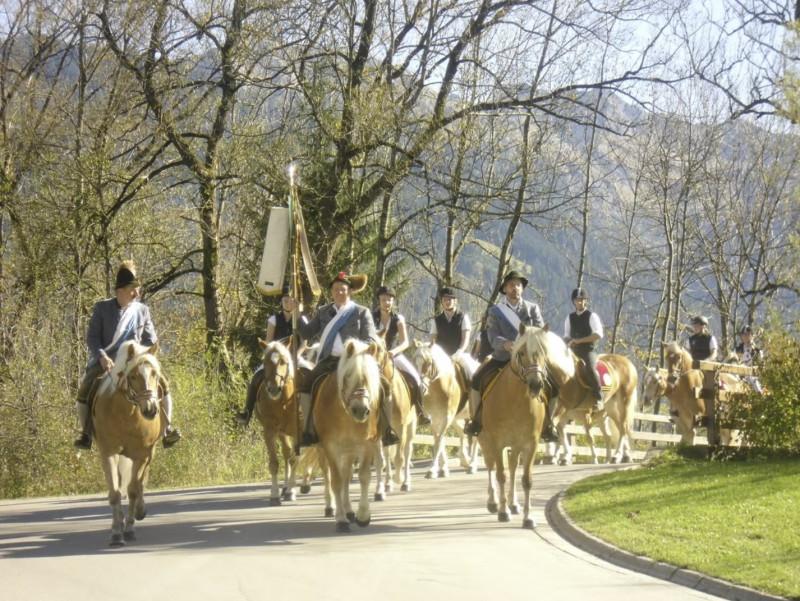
(523, 371)
(128, 393)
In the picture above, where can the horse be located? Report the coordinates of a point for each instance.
(404, 423)
(619, 402)
(276, 409)
(346, 418)
(128, 422)
(681, 386)
(441, 400)
(514, 406)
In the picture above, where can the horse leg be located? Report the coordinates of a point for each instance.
(500, 476)
(408, 448)
(438, 439)
(687, 428)
(290, 461)
(339, 482)
(327, 484)
(110, 470)
(489, 461)
(513, 459)
(363, 515)
(566, 457)
(444, 467)
(527, 483)
(473, 455)
(381, 464)
(272, 454)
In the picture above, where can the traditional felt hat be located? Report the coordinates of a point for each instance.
(746, 330)
(513, 275)
(579, 293)
(286, 291)
(126, 276)
(447, 292)
(699, 320)
(385, 290)
(357, 281)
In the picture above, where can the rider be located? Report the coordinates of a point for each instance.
(393, 324)
(582, 330)
(336, 323)
(701, 344)
(749, 354)
(279, 327)
(451, 329)
(116, 320)
(503, 326)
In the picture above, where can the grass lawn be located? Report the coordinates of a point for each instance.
(736, 520)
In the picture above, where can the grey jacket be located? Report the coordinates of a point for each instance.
(500, 331)
(359, 325)
(103, 323)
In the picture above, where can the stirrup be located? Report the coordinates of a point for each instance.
(473, 427)
(171, 436)
(549, 434)
(389, 437)
(84, 442)
(423, 419)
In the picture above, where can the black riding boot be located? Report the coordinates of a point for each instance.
(423, 419)
(243, 417)
(385, 416)
(474, 426)
(549, 432)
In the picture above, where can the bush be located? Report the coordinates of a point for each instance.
(772, 420)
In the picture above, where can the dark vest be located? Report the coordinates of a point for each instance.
(448, 333)
(391, 334)
(283, 326)
(700, 346)
(579, 327)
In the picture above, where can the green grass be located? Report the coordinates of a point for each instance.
(735, 520)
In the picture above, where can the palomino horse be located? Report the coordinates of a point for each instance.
(514, 411)
(619, 403)
(276, 409)
(404, 423)
(682, 388)
(346, 418)
(442, 398)
(127, 423)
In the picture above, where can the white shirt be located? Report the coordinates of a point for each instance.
(466, 324)
(594, 323)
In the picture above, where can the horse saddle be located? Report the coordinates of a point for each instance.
(488, 378)
(603, 374)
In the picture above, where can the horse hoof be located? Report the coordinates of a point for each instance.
(379, 496)
(528, 524)
(514, 509)
(492, 507)
(117, 540)
(351, 516)
(342, 526)
(140, 515)
(472, 469)
(503, 517)
(431, 476)
(274, 501)
(289, 496)
(405, 488)
(564, 462)
(443, 473)
(129, 535)
(305, 489)
(363, 524)
(626, 459)
(614, 460)
(329, 512)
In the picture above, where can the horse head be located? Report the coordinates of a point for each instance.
(676, 360)
(654, 385)
(137, 373)
(431, 362)
(538, 353)
(278, 367)
(358, 378)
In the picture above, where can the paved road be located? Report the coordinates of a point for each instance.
(437, 541)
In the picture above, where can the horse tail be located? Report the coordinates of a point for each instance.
(124, 469)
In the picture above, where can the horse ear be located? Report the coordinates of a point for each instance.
(261, 343)
(375, 349)
(349, 349)
(663, 344)
(522, 327)
(153, 349)
(416, 343)
(546, 327)
(131, 351)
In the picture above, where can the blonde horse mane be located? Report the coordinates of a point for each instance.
(442, 364)
(675, 349)
(277, 347)
(130, 355)
(359, 363)
(541, 342)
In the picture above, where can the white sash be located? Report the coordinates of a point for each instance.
(123, 327)
(510, 315)
(340, 313)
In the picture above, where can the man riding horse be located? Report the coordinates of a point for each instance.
(503, 326)
(336, 323)
(114, 321)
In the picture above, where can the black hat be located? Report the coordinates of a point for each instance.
(126, 276)
(746, 330)
(447, 291)
(579, 293)
(286, 291)
(357, 281)
(387, 290)
(513, 275)
(699, 320)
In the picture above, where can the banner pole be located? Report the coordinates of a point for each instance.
(296, 294)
